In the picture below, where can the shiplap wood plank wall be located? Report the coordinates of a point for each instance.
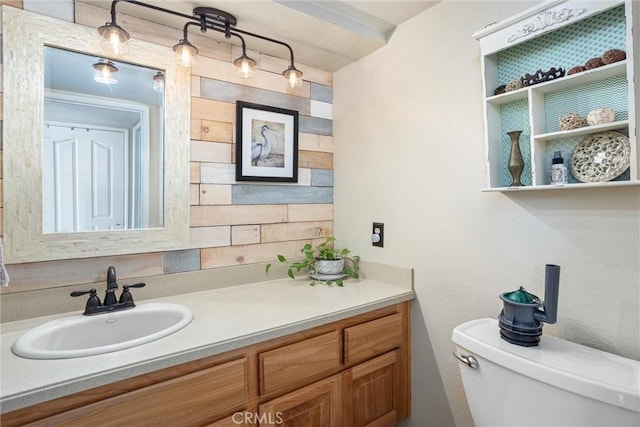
(231, 223)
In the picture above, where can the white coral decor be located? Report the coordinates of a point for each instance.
(601, 116)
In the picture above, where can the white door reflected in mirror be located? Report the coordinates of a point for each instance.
(95, 203)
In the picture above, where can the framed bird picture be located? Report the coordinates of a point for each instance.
(266, 143)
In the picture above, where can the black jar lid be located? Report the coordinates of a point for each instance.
(557, 158)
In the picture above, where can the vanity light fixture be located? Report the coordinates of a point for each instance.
(116, 38)
(293, 76)
(158, 81)
(184, 50)
(105, 72)
(207, 18)
(244, 64)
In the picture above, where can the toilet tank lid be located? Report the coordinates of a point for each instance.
(564, 364)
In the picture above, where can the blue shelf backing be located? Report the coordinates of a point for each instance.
(567, 47)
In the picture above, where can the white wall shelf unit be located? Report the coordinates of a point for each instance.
(560, 34)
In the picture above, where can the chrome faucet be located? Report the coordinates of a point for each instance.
(94, 306)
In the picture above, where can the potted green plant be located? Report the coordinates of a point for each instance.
(323, 263)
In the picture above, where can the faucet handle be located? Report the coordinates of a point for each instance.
(136, 285)
(80, 293)
(93, 300)
(126, 296)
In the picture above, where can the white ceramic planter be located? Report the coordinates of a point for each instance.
(329, 266)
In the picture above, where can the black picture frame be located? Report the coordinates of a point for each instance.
(266, 143)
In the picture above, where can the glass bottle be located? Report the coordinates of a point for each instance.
(558, 171)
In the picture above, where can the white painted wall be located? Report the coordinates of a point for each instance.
(409, 153)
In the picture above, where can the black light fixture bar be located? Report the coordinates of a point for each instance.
(258, 36)
(208, 18)
(149, 6)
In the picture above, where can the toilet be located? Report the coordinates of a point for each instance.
(558, 383)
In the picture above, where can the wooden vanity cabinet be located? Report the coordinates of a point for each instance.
(350, 373)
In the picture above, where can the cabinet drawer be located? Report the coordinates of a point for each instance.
(300, 362)
(372, 338)
(186, 400)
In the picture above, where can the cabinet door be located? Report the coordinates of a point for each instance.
(370, 392)
(317, 405)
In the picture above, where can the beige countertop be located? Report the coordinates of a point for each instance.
(224, 319)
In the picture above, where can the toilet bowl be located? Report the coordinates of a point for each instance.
(558, 383)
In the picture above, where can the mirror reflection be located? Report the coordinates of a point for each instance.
(103, 144)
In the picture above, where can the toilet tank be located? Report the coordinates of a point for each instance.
(558, 383)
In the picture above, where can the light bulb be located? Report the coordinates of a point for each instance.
(115, 43)
(186, 57)
(293, 80)
(245, 70)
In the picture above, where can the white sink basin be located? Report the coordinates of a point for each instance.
(79, 336)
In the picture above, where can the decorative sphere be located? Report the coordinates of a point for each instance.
(514, 85)
(613, 55)
(576, 69)
(571, 121)
(600, 116)
(593, 63)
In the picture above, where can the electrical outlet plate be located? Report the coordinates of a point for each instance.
(378, 228)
